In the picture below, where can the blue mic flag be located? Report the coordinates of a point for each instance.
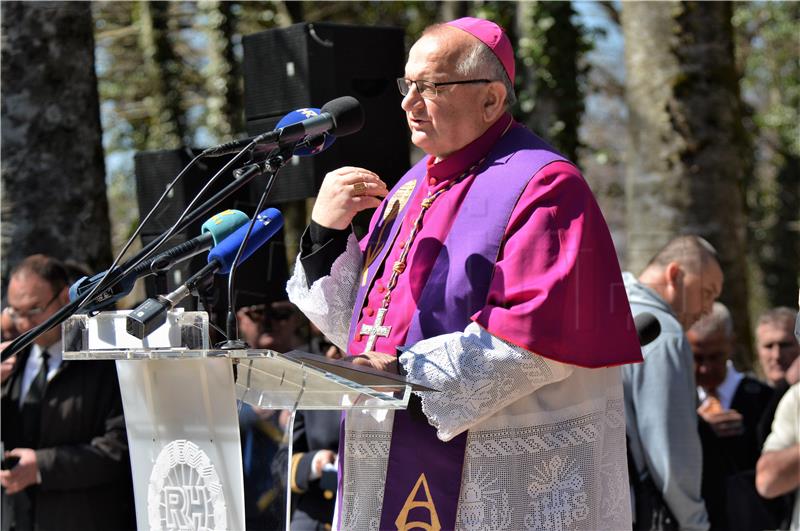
(317, 146)
(267, 224)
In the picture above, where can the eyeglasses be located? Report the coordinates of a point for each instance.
(31, 314)
(429, 89)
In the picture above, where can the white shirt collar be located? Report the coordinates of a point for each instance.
(727, 388)
(34, 363)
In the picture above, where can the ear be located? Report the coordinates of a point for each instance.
(673, 273)
(494, 101)
(63, 296)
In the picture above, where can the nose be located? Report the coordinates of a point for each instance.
(773, 352)
(411, 99)
(23, 323)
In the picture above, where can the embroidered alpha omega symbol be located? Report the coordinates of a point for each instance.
(432, 524)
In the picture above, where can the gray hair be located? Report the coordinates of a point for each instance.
(480, 61)
(719, 320)
(781, 316)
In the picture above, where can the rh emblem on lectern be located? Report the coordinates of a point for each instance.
(185, 492)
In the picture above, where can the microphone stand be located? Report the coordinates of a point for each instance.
(270, 166)
(117, 274)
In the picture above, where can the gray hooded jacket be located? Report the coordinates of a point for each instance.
(660, 410)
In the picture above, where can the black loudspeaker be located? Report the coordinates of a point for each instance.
(262, 278)
(307, 65)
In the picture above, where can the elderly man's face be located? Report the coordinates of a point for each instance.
(777, 349)
(453, 119)
(711, 354)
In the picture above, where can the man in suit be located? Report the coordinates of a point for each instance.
(731, 406)
(62, 425)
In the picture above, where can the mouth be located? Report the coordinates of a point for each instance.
(416, 122)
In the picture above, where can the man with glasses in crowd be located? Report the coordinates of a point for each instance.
(489, 274)
(65, 461)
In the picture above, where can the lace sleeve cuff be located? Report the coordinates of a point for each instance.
(477, 374)
(328, 301)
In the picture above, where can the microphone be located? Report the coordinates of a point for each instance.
(647, 328)
(312, 145)
(152, 313)
(340, 117)
(213, 231)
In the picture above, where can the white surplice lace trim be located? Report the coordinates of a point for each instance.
(554, 459)
(477, 374)
(328, 303)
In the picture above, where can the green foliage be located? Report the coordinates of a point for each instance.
(768, 45)
(768, 40)
(552, 72)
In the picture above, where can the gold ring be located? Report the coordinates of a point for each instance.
(359, 189)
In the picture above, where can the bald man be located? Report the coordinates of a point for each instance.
(678, 287)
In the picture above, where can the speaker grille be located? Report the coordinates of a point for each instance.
(307, 65)
(262, 278)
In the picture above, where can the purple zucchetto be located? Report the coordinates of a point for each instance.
(493, 36)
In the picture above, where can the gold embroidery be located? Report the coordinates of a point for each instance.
(400, 198)
(372, 253)
(394, 205)
(402, 522)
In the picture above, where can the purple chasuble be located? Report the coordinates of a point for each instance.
(424, 473)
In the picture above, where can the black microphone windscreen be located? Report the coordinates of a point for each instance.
(647, 327)
(347, 113)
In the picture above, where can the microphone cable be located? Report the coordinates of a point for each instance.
(169, 232)
(231, 325)
(75, 306)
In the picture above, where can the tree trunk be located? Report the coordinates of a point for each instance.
(453, 10)
(684, 173)
(167, 128)
(53, 173)
(776, 236)
(225, 105)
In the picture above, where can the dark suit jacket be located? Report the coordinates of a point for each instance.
(729, 465)
(312, 505)
(82, 450)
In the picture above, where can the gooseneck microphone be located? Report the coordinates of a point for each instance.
(339, 117)
(213, 231)
(152, 313)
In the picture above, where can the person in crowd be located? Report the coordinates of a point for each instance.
(678, 286)
(731, 407)
(315, 446)
(8, 330)
(274, 326)
(489, 274)
(778, 349)
(778, 468)
(779, 357)
(66, 451)
(8, 333)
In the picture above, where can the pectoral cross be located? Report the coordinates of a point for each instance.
(376, 329)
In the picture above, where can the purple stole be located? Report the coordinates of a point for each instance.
(423, 477)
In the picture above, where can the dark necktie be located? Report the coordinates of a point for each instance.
(32, 405)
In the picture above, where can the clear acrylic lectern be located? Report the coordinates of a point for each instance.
(179, 397)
